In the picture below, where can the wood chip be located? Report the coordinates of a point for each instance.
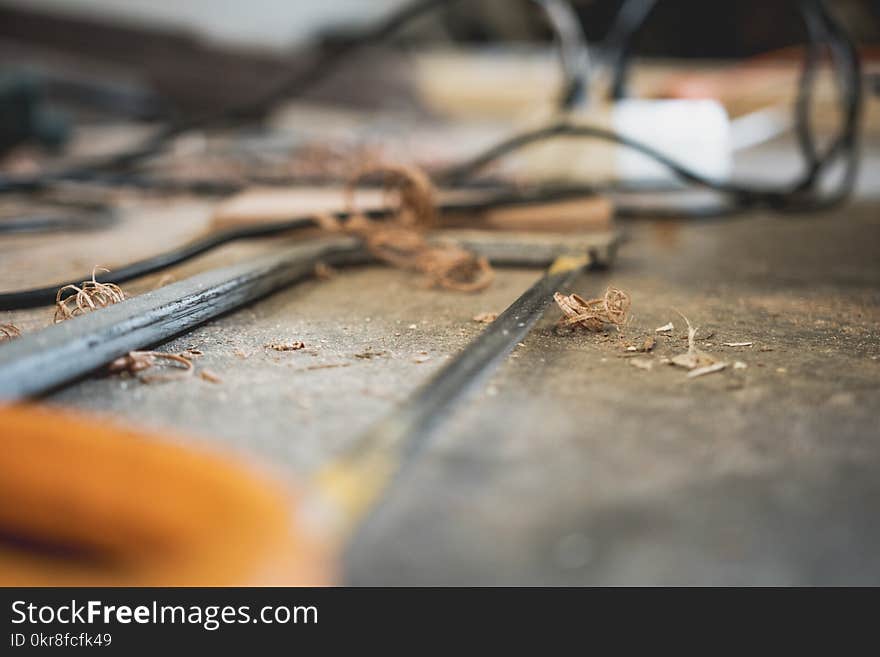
(210, 377)
(666, 328)
(739, 365)
(708, 369)
(737, 344)
(694, 359)
(368, 353)
(485, 318)
(287, 346)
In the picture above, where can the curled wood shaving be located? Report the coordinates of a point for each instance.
(401, 241)
(594, 314)
(9, 332)
(88, 296)
(135, 362)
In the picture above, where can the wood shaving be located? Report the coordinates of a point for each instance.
(708, 369)
(738, 344)
(90, 295)
(593, 314)
(9, 332)
(485, 318)
(287, 346)
(210, 376)
(136, 362)
(401, 240)
(694, 358)
(666, 328)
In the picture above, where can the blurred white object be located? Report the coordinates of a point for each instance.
(694, 133)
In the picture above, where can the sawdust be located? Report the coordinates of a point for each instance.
(137, 362)
(401, 240)
(485, 318)
(286, 346)
(90, 295)
(593, 314)
(9, 332)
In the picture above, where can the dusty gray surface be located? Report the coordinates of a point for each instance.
(573, 466)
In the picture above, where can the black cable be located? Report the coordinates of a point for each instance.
(59, 215)
(571, 43)
(297, 85)
(801, 195)
(619, 42)
(46, 295)
(797, 197)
